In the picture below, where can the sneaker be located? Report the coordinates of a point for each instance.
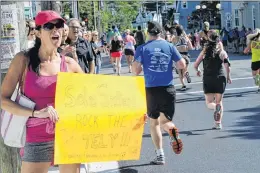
(114, 68)
(183, 88)
(176, 141)
(187, 75)
(257, 80)
(217, 113)
(159, 160)
(217, 126)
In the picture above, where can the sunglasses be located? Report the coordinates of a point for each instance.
(49, 26)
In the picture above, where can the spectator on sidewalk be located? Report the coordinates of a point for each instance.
(97, 49)
(83, 47)
(66, 49)
(31, 36)
(139, 37)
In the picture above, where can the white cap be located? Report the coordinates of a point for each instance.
(176, 21)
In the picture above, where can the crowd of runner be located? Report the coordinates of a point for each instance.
(56, 45)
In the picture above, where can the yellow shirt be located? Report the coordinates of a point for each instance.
(255, 48)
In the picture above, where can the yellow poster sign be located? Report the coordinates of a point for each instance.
(101, 118)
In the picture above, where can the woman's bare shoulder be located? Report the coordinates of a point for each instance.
(20, 58)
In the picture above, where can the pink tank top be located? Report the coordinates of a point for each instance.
(41, 90)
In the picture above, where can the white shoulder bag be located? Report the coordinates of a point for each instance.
(13, 127)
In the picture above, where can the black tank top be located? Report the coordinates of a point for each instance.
(212, 66)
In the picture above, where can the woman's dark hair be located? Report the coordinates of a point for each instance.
(172, 30)
(167, 27)
(154, 28)
(255, 37)
(211, 45)
(179, 30)
(32, 54)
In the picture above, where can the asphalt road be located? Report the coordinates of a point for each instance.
(234, 149)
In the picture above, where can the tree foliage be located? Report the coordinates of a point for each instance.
(210, 14)
(119, 13)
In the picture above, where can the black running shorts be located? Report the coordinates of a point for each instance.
(255, 65)
(161, 99)
(129, 52)
(214, 84)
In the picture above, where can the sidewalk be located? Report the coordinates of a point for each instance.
(92, 167)
(83, 169)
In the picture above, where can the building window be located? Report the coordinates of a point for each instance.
(184, 4)
(228, 24)
(236, 17)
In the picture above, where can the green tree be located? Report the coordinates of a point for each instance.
(210, 14)
(120, 13)
(86, 11)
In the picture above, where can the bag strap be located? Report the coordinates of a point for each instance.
(22, 77)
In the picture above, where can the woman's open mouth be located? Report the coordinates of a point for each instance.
(55, 38)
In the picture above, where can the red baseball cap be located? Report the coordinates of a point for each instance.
(44, 17)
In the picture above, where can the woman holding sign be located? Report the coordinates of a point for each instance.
(37, 70)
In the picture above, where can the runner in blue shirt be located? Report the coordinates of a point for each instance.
(155, 58)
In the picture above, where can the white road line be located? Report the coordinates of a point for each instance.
(234, 79)
(228, 89)
(102, 166)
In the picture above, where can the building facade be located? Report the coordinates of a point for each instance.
(238, 14)
(185, 8)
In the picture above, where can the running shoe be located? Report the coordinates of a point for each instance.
(176, 141)
(217, 112)
(217, 126)
(257, 80)
(187, 75)
(183, 88)
(114, 68)
(159, 160)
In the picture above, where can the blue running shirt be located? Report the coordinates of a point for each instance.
(156, 56)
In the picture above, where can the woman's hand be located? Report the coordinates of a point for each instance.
(198, 73)
(246, 51)
(145, 118)
(48, 112)
(68, 49)
(229, 80)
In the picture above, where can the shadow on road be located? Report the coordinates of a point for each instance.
(248, 126)
(201, 98)
(126, 169)
(194, 132)
(149, 135)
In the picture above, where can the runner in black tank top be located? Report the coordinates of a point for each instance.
(214, 79)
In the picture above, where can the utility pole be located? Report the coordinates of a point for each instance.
(157, 11)
(99, 17)
(75, 9)
(94, 15)
(10, 160)
(51, 5)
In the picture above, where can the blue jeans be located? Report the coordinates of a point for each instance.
(97, 69)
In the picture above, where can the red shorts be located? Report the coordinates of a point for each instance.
(116, 54)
